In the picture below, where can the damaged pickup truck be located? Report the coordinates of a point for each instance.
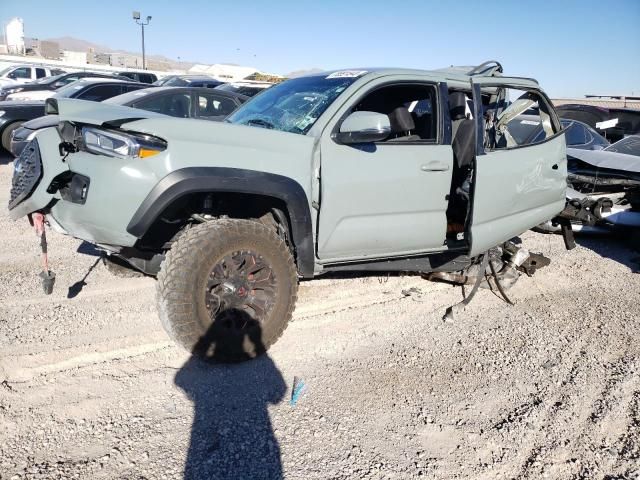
(358, 170)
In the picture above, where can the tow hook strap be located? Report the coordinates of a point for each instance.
(449, 314)
(47, 276)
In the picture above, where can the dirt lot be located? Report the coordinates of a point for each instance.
(91, 387)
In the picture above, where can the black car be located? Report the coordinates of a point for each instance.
(613, 123)
(49, 84)
(185, 102)
(579, 135)
(144, 77)
(13, 114)
(188, 81)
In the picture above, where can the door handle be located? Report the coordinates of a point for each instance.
(554, 166)
(434, 166)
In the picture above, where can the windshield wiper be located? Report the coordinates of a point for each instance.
(261, 123)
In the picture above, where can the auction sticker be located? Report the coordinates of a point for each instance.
(346, 74)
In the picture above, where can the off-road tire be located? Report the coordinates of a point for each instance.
(120, 268)
(183, 275)
(6, 134)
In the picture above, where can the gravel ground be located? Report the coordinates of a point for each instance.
(91, 387)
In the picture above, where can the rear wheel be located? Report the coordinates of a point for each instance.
(6, 134)
(227, 289)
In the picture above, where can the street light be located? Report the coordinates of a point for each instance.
(136, 17)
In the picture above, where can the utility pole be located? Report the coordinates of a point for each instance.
(136, 17)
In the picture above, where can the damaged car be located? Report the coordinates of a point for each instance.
(386, 170)
(604, 190)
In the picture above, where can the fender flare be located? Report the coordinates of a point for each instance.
(232, 180)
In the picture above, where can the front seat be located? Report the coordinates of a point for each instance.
(402, 125)
(463, 146)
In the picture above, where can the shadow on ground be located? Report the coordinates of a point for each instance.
(5, 157)
(622, 248)
(231, 436)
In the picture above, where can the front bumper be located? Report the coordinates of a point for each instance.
(90, 197)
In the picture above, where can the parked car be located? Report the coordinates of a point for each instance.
(189, 81)
(628, 145)
(144, 77)
(604, 193)
(13, 114)
(17, 74)
(612, 123)
(248, 88)
(352, 170)
(47, 86)
(182, 102)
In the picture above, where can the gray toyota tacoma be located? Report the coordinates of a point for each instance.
(351, 170)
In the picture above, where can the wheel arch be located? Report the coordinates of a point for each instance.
(194, 180)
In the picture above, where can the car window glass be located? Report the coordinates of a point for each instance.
(212, 105)
(132, 88)
(575, 135)
(100, 92)
(22, 72)
(40, 73)
(526, 120)
(175, 104)
(68, 80)
(411, 111)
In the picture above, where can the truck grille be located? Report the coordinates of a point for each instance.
(27, 172)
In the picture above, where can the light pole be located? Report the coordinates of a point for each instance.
(136, 17)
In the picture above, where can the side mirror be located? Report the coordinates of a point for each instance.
(58, 85)
(51, 106)
(364, 127)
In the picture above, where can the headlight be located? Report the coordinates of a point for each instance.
(121, 145)
(9, 91)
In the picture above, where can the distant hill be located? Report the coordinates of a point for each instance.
(79, 45)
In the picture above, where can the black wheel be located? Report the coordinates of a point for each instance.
(226, 289)
(120, 268)
(6, 134)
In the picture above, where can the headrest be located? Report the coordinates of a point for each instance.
(457, 105)
(401, 120)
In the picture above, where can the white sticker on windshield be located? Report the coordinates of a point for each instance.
(346, 74)
(529, 122)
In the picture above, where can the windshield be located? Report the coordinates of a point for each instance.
(53, 79)
(69, 90)
(629, 145)
(4, 71)
(292, 106)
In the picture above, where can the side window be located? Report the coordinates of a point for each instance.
(411, 110)
(100, 92)
(22, 72)
(525, 120)
(132, 88)
(576, 135)
(68, 80)
(212, 105)
(40, 73)
(175, 105)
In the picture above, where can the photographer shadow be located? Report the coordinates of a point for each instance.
(232, 436)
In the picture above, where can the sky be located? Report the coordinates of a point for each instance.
(572, 47)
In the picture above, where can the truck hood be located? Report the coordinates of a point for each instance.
(84, 111)
(183, 131)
